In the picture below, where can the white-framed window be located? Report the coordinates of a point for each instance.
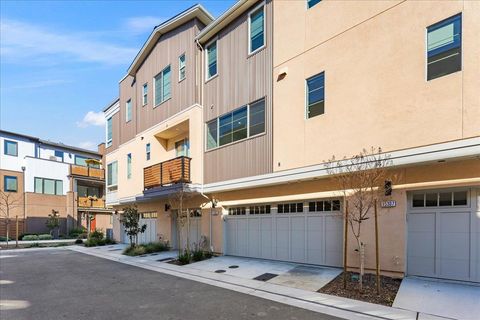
(48, 186)
(145, 94)
(112, 176)
(296, 207)
(129, 166)
(109, 131)
(444, 47)
(311, 3)
(324, 205)
(182, 148)
(182, 68)
(237, 211)
(259, 209)
(10, 148)
(128, 110)
(455, 198)
(163, 86)
(147, 151)
(242, 123)
(211, 60)
(315, 91)
(256, 29)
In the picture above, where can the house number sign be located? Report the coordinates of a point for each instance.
(389, 204)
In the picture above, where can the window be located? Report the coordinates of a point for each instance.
(59, 155)
(10, 184)
(263, 209)
(80, 161)
(149, 215)
(211, 60)
(128, 110)
(234, 126)
(129, 166)
(325, 205)
(147, 151)
(109, 132)
(444, 45)
(316, 95)
(144, 94)
(112, 175)
(84, 191)
(311, 3)
(256, 27)
(237, 211)
(439, 199)
(48, 186)
(182, 148)
(10, 148)
(162, 86)
(290, 207)
(181, 67)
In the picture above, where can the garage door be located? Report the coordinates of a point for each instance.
(443, 235)
(305, 232)
(195, 230)
(150, 235)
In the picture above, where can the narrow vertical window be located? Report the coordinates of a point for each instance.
(257, 118)
(112, 175)
(128, 110)
(444, 46)
(10, 184)
(211, 59)
(311, 3)
(163, 86)
(256, 26)
(147, 151)
(316, 95)
(59, 155)
(109, 132)
(10, 148)
(145, 94)
(182, 148)
(129, 166)
(212, 134)
(181, 67)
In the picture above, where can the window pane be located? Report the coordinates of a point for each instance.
(114, 172)
(166, 84)
(328, 205)
(280, 208)
(239, 124)
(212, 60)
(311, 207)
(225, 129)
(336, 205)
(38, 185)
(431, 199)
(82, 191)
(129, 166)
(418, 200)
(311, 3)
(109, 130)
(460, 198)
(319, 205)
(11, 148)
(212, 131)
(80, 161)
(316, 95)
(48, 186)
(299, 207)
(257, 39)
(158, 82)
(59, 187)
(128, 116)
(181, 67)
(445, 198)
(257, 117)
(10, 184)
(109, 174)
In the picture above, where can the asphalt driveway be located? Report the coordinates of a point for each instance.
(61, 284)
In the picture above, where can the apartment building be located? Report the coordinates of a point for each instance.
(42, 176)
(286, 85)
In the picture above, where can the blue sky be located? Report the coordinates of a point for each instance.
(61, 61)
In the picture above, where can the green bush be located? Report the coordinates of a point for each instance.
(109, 241)
(76, 231)
(97, 234)
(155, 247)
(78, 241)
(5, 239)
(134, 251)
(30, 237)
(184, 257)
(34, 245)
(45, 237)
(20, 237)
(208, 254)
(197, 255)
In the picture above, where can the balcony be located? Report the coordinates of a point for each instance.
(90, 172)
(166, 173)
(89, 202)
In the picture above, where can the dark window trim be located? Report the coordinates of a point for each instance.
(43, 186)
(5, 183)
(5, 142)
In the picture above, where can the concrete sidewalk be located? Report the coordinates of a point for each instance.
(323, 303)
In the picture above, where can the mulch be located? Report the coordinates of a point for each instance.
(388, 288)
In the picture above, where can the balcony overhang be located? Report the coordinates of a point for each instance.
(167, 191)
(173, 131)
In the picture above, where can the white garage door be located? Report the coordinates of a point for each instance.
(444, 235)
(150, 234)
(298, 232)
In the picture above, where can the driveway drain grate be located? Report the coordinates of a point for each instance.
(265, 277)
(165, 259)
(233, 267)
(220, 271)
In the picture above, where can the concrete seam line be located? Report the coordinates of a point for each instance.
(190, 276)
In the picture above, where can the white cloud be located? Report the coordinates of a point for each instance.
(23, 41)
(143, 24)
(87, 145)
(92, 118)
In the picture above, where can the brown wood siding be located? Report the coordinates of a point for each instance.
(241, 79)
(115, 133)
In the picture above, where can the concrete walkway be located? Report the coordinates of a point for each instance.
(323, 303)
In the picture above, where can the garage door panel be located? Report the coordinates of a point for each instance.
(421, 266)
(333, 258)
(454, 245)
(242, 237)
(298, 239)
(254, 237)
(231, 231)
(455, 222)
(421, 244)
(454, 269)
(266, 237)
(421, 222)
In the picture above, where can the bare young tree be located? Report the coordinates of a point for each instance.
(8, 201)
(361, 179)
(181, 215)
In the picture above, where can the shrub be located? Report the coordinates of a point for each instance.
(45, 237)
(155, 247)
(134, 251)
(5, 239)
(78, 241)
(197, 255)
(30, 237)
(208, 254)
(97, 234)
(34, 245)
(76, 231)
(20, 237)
(184, 257)
(109, 241)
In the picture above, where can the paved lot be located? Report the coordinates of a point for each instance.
(60, 284)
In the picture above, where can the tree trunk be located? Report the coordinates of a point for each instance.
(377, 258)
(362, 265)
(345, 246)
(8, 229)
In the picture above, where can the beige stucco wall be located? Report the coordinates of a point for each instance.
(376, 93)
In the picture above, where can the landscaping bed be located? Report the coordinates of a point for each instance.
(186, 257)
(142, 249)
(388, 288)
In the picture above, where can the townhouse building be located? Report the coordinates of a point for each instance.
(42, 176)
(283, 86)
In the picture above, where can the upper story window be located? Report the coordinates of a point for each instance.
(144, 94)
(239, 124)
(81, 161)
(316, 95)
(311, 3)
(129, 166)
(59, 155)
(163, 86)
(182, 148)
(256, 27)
(10, 184)
(128, 110)
(109, 132)
(10, 148)
(147, 151)
(211, 60)
(112, 176)
(181, 67)
(444, 47)
(48, 186)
